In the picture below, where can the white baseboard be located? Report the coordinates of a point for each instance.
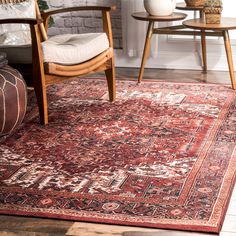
(175, 60)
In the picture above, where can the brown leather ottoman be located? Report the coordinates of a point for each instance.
(13, 98)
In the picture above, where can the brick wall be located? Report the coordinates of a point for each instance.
(84, 22)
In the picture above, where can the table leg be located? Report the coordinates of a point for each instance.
(203, 42)
(146, 49)
(229, 58)
(204, 53)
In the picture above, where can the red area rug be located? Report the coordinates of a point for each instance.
(163, 155)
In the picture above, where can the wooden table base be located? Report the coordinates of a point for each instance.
(229, 58)
(226, 24)
(146, 49)
(200, 29)
(144, 16)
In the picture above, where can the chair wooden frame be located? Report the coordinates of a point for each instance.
(45, 74)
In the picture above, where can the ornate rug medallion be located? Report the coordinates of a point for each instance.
(163, 155)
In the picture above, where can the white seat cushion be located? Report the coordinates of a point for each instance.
(72, 49)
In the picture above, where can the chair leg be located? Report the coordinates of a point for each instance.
(111, 81)
(41, 95)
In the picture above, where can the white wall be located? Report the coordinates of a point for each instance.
(183, 52)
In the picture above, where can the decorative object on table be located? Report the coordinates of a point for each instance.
(195, 3)
(167, 164)
(212, 10)
(160, 7)
(13, 97)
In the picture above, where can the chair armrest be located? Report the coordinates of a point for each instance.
(48, 13)
(30, 21)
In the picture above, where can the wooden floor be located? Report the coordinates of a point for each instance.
(27, 226)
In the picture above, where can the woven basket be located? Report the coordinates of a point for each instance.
(195, 3)
(213, 18)
(212, 10)
(212, 15)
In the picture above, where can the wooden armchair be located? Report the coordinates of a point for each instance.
(54, 60)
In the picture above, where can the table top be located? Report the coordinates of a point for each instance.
(144, 16)
(226, 23)
(183, 6)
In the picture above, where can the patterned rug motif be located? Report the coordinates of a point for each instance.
(162, 155)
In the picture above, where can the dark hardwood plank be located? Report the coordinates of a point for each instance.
(30, 224)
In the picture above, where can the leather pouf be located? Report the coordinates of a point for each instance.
(13, 99)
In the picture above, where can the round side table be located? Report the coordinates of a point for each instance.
(224, 27)
(143, 16)
(182, 6)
